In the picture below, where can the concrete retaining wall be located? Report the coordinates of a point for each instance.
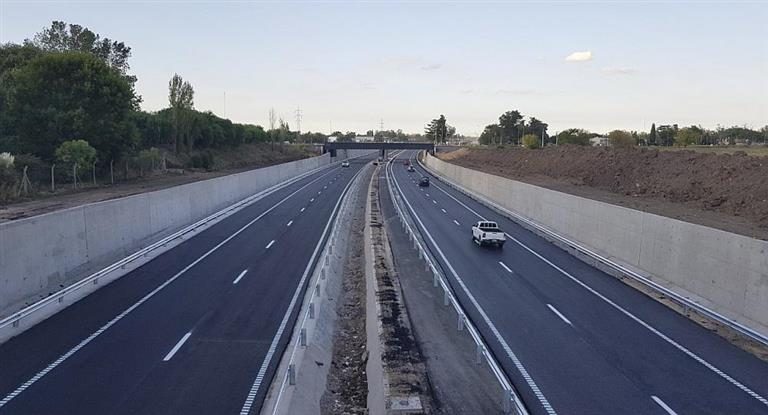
(721, 270)
(41, 253)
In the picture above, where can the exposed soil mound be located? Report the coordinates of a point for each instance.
(733, 185)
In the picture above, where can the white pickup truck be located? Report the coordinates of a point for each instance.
(488, 233)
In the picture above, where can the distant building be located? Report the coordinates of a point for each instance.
(332, 138)
(364, 138)
(599, 141)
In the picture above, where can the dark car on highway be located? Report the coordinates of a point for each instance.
(424, 182)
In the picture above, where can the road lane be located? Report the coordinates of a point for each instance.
(230, 326)
(605, 362)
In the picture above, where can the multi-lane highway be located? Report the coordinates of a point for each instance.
(573, 339)
(197, 330)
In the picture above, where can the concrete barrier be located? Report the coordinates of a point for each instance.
(40, 254)
(723, 271)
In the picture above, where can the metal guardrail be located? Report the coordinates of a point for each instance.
(684, 302)
(71, 291)
(510, 399)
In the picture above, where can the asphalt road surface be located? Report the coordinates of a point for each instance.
(573, 339)
(197, 330)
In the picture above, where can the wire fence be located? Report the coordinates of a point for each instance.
(27, 177)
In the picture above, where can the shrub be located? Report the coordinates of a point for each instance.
(76, 152)
(531, 141)
(149, 159)
(620, 138)
(203, 160)
(6, 161)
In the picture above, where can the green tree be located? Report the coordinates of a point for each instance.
(63, 37)
(575, 136)
(181, 97)
(653, 138)
(621, 138)
(58, 97)
(512, 126)
(12, 57)
(688, 136)
(531, 141)
(437, 129)
(666, 134)
(491, 135)
(537, 128)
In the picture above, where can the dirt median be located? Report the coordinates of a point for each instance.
(724, 191)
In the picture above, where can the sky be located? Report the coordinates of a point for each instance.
(351, 65)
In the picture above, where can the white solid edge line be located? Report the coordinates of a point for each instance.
(626, 312)
(39, 375)
(443, 210)
(302, 209)
(456, 222)
(269, 245)
(663, 405)
(434, 201)
(250, 398)
(506, 267)
(176, 348)
(562, 317)
(512, 356)
(290, 222)
(311, 200)
(239, 277)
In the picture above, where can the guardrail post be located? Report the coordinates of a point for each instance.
(303, 337)
(322, 273)
(446, 298)
(435, 279)
(330, 249)
(461, 323)
(327, 260)
(421, 255)
(15, 323)
(292, 374)
(312, 310)
(317, 289)
(506, 401)
(426, 264)
(479, 354)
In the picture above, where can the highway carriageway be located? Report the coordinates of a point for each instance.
(573, 339)
(198, 330)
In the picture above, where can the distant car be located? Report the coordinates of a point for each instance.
(410, 168)
(375, 162)
(488, 233)
(345, 164)
(424, 182)
(407, 162)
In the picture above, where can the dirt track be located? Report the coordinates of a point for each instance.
(725, 191)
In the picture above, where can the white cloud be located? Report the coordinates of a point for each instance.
(431, 67)
(618, 71)
(579, 56)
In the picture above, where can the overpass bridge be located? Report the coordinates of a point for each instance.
(381, 146)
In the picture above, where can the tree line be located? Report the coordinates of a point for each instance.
(68, 83)
(513, 129)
